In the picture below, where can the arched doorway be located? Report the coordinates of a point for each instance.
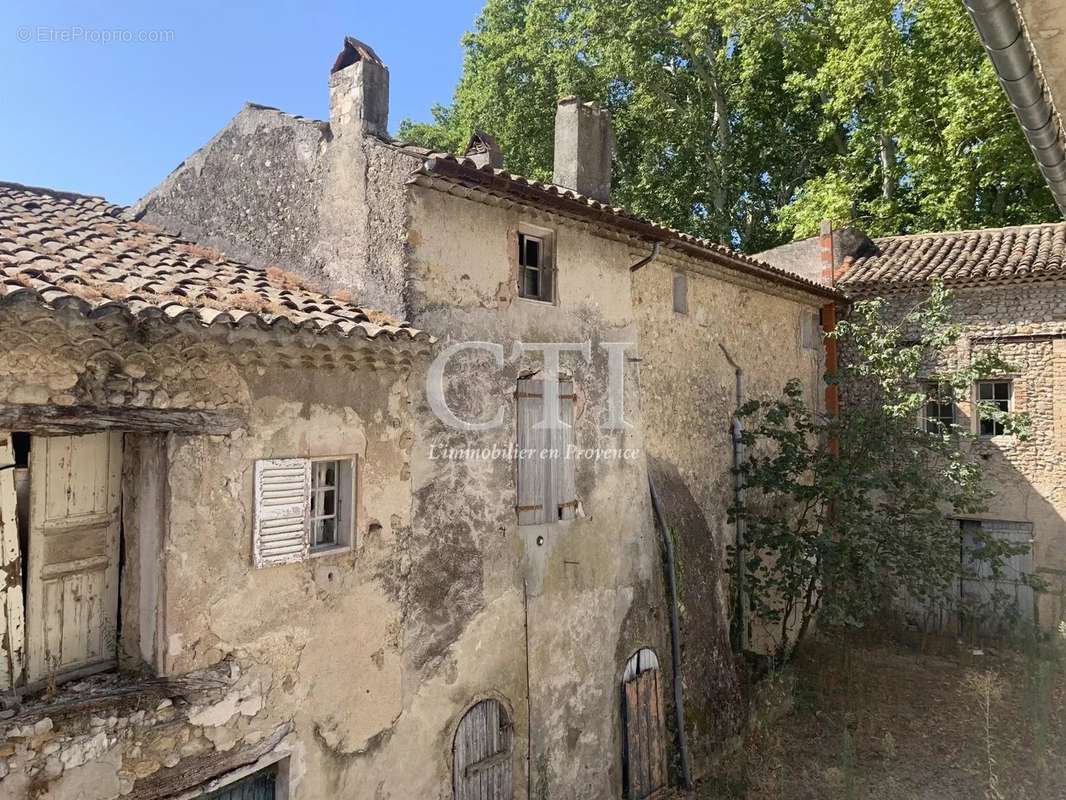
(481, 754)
(643, 732)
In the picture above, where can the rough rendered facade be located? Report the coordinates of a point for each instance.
(480, 591)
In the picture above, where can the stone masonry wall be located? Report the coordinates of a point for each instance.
(1026, 324)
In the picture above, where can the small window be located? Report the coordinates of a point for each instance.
(939, 412)
(331, 499)
(536, 269)
(995, 394)
(680, 293)
(810, 331)
(302, 506)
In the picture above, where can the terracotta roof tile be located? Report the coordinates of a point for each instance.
(1023, 254)
(60, 248)
(466, 172)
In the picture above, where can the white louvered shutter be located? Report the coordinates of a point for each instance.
(282, 492)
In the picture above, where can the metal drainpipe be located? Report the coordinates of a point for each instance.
(1000, 27)
(736, 429)
(675, 638)
(647, 259)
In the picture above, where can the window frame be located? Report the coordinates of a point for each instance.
(997, 428)
(344, 517)
(934, 392)
(548, 290)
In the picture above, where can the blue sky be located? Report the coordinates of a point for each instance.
(114, 118)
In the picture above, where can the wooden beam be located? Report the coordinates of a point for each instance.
(50, 419)
(193, 772)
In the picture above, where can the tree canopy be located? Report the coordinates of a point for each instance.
(748, 121)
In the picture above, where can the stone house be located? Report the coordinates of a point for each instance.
(496, 625)
(175, 423)
(1008, 295)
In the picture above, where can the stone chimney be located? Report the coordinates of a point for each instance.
(484, 151)
(583, 146)
(358, 91)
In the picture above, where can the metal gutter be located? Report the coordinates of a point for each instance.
(1001, 29)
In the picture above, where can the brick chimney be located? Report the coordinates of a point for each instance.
(828, 256)
(583, 146)
(358, 91)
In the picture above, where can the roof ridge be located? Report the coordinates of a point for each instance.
(964, 231)
(57, 193)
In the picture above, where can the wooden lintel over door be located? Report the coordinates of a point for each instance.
(72, 579)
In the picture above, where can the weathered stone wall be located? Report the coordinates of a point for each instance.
(589, 590)
(1027, 326)
(272, 188)
(689, 395)
(301, 660)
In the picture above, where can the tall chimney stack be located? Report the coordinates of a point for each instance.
(583, 146)
(358, 91)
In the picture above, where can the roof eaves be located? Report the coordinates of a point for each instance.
(560, 199)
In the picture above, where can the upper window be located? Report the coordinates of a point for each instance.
(536, 268)
(939, 411)
(997, 394)
(302, 506)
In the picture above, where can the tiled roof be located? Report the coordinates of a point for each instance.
(465, 172)
(63, 249)
(1023, 254)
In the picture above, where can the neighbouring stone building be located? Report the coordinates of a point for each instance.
(1009, 294)
(495, 626)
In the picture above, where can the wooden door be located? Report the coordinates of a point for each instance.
(644, 756)
(481, 754)
(993, 602)
(12, 632)
(72, 580)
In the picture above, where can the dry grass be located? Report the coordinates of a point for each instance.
(916, 730)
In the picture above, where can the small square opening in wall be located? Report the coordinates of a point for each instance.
(536, 266)
(680, 293)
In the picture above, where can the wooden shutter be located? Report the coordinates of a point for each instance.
(532, 461)
(547, 269)
(72, 592)
(545, 472)
(282, 492)
(562, 491)
(12, 620)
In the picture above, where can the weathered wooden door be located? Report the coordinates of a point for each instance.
(644, 756)
(991, 603)
(481, 754)
(12, 632)
(72, 580)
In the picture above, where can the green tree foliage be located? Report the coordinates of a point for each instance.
(841, 514)
(747, 121)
